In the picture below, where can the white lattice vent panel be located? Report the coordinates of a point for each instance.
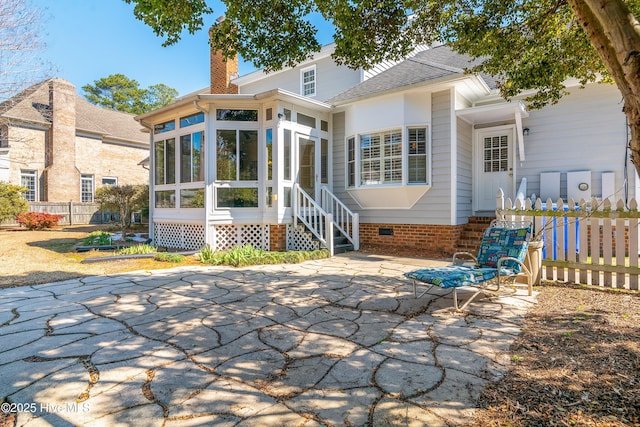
(255, 235)
(225, 237)
(228, 236)
(193, 236)
(179, 236)
(299, 239)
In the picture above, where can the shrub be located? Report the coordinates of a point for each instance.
(248, 255)
(12, 202)
(38, 220)
(137, 250)
(100, 238)
(168, 257)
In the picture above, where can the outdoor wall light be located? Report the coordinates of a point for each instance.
(525, 131)
(583, 186)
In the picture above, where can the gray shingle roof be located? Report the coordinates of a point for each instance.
(433, 64)
(32, 105)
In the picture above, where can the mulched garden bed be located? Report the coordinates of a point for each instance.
(577, 363)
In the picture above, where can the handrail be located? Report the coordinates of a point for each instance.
(311, 214)
(344, 219)
(522, 191)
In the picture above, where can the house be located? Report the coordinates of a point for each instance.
(61, 147)
(404, 155)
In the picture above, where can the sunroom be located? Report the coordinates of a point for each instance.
(225, 169)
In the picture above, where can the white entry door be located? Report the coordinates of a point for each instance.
(494, 166)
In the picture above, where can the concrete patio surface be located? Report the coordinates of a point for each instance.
(334, 342)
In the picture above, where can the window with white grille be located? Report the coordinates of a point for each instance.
(381, 157)
(308, 81)
(86, 188)
(417, 155)
(29, 180)
(496, 153)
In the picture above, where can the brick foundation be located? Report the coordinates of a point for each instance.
(278, 237)
(423, 238)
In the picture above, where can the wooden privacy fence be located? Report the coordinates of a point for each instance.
(74, 213)
(593, 242)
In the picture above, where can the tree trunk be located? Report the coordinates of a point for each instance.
(615, 34)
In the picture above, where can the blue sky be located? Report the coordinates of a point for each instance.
(90, 39)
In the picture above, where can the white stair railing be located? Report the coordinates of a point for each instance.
(344, 219)
(311, 214)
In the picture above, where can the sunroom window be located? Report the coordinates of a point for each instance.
(192, 157)
(164, 153)
(237, 155)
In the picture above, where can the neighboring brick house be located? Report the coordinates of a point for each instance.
(61, 147)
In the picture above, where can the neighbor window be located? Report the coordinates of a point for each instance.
(237, 155)
(192, 157)
(308, 81)
(109, 181)
(29, 180)
(86, 188)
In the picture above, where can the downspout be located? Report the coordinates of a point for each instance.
(151, 183)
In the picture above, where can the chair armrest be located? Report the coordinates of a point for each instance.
(523, 269)
(459, 258)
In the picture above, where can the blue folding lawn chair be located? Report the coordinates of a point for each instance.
(500, 259)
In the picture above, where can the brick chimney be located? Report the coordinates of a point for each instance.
(62, 178)
(222, 71)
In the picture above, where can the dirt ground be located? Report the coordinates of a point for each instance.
(32, 257)
(577, 362)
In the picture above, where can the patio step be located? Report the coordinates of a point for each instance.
(471, 234)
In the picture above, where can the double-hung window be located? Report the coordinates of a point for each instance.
(86, 188)
(308, 81)
(29, 180)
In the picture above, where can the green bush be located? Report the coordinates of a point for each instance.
(38, 220)
(169, 257)
(99, 238)
(248, 255)
(137, 250)
(12, 202)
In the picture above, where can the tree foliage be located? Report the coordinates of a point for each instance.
(533, 45)
(121, 93)
(124, 199)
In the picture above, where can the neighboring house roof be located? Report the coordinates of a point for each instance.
(32, 105)
(435, 64)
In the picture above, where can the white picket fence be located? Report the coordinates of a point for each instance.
(592, 242)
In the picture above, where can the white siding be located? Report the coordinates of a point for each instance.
(464, 168)
(586, 130)
(330, 80)
(434, 206)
